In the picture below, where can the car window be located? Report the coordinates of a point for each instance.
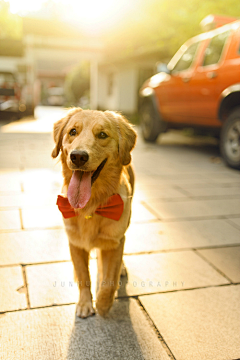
(215, 48)
(186, 59)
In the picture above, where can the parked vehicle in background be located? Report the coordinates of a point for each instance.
(200, 87)
(10, 96)
(55, 96)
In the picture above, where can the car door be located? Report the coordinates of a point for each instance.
(173, 94)
(206, 81)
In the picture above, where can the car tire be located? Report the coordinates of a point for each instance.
(151, 124)
(230, 139)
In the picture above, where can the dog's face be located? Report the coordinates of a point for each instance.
(89, 141)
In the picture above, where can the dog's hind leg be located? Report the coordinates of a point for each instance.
(123, 270)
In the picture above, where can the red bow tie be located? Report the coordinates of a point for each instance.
(113, 209)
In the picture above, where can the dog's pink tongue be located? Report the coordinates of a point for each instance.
(79, 189)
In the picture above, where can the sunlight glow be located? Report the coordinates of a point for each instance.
(25, 6)
(95, 14)
(90, 15)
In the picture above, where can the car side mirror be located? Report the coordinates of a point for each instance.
(161, 67)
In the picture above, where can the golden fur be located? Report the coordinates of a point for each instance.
(115, 178)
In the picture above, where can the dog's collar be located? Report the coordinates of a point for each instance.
(113, 209)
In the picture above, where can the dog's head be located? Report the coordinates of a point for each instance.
(89, 141)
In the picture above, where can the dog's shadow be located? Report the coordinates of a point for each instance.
(112, 337)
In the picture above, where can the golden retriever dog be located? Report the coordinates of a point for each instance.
(96, 197)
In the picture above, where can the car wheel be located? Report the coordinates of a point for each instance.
(150, 122)
(230, 139)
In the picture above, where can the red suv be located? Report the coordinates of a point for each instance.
(200, 87)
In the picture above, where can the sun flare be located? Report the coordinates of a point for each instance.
(91, 15)
(96, 15)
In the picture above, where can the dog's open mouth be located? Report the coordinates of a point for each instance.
(79, 190)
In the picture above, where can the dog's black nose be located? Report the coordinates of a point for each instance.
(78, 157)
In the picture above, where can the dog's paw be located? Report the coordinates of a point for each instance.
(103, 310)
(85, 309)
(104, 303)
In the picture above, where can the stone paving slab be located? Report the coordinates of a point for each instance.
(25, 200)
(10, 220)
(225, 259)
(28, 247)
(235, 221)
(154, 181)
(31, 151)
(193, 208)
(43, 181)
(179, 235)
(226, 177)
(225, 173)
(12, 294)
(140, 213)
(143, 192)
(195, 185)
(9, 201)
(214, 191)
(10, 181)
(150, 273)
(202, 324)
(51, 284)
(13, 160)
(42, 217)
(56, 334)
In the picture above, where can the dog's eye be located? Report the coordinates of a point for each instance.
(73, 132)
(102, 135)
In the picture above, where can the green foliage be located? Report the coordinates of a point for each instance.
(10, 24)
(77, 83)
(164, 25)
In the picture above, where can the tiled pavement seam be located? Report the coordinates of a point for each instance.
(160, 337)
(26, 285)
(185, 218)
(141, 305)
(164, 251)
(25, 282)
(149, 252)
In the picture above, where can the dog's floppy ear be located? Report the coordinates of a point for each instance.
(127, 137)
(58, 129)
(58, 134)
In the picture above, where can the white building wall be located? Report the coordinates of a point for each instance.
(108, 89)
(113, 92)
(8, 63)
(102, 90)
(118, 89)
(128, 88)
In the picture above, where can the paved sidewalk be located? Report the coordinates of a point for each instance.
(180, 298)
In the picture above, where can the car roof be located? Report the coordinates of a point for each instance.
(209, 34)
(203, 36)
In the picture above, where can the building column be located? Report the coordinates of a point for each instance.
(94, 84)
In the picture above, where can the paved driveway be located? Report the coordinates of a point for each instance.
(180, 298)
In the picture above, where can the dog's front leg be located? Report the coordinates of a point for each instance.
(111, 261)
(80, 261)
